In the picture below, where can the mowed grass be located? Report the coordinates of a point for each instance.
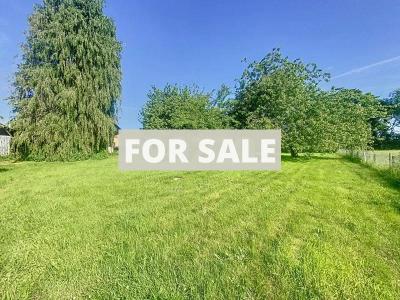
(320, 228)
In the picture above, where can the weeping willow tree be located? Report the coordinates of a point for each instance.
(67, 87)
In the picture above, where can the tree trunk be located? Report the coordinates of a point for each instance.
(293, 152)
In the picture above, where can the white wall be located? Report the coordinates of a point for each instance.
(5, 145)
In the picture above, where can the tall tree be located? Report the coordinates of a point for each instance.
(279, 93)
(67, 87)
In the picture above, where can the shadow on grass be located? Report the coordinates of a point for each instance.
(390, 178)
(308, 158)
(3, 170)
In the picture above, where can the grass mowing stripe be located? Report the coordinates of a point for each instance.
(320, 228)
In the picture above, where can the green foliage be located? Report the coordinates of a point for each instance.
(393, 104)
(389, 136)
(278, 93)
(182, 108)
(67, 87)
(349, 119)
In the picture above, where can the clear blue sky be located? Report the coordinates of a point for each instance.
(203, 42)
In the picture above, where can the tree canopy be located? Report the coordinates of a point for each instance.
(393, 103)
(349, 119)
(186, 107)
(390, 130)
(273, 93)
(279, 93)
(67, 87)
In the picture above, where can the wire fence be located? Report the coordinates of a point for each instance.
(389, 159)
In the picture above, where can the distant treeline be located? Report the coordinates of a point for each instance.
(277, 92)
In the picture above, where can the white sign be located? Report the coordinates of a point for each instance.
(200, 149)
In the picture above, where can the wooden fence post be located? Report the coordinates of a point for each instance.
(390, 160)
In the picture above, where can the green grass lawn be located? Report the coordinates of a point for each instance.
(320, 228)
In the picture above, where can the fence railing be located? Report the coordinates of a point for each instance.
(390, 159)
